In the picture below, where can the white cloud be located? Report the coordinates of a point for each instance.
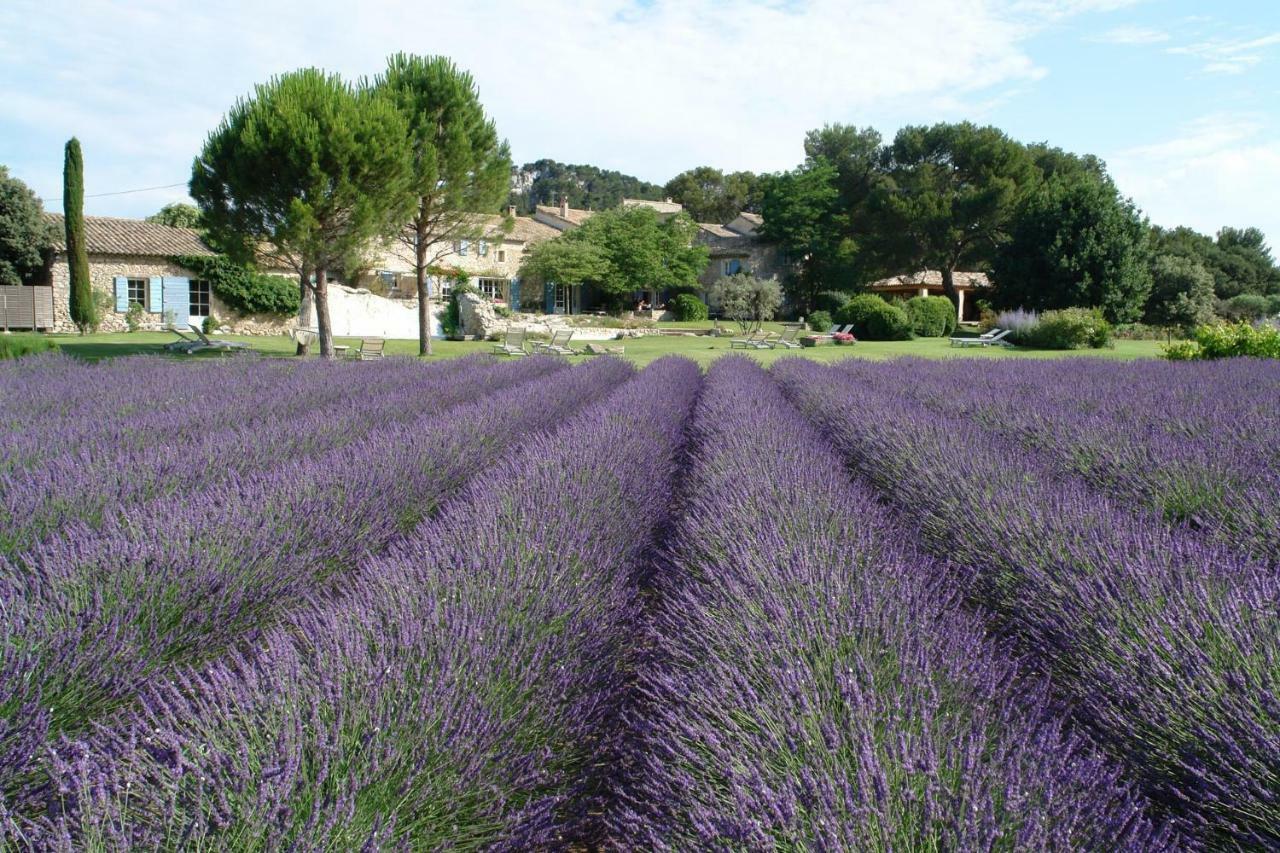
(1229, 56)
(1211, 174)
(1132, 36)
(648, 89)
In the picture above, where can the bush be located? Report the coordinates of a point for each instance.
(1228, 340)
(686, 306)
(16, 346)
(820, 321)
(244, 290)
(211, 324)
(873, 319)
(1246, 306)
(1020, 324)
(831, 301)
(1071, 328)
(931, 316)
(133, 317)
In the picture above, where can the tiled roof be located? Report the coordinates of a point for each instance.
(932, 278)
(107, 235)
(752, 217)
(574, 216)
(529, 230)
(717, 230)
(667, 206)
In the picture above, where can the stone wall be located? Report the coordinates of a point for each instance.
(103, 270)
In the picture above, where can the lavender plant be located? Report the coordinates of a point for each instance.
(1162, 643)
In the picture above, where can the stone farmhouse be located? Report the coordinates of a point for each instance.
(492, 263)
(130, 262)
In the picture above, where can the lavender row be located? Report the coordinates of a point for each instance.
(450, 696)
(231, 395)
(91, 620)
(1165, 646)
(815, 686)
(1198, 443)
(101, 485)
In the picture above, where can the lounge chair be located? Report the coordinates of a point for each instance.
(512, 343)
(559, 344)
(787, 339)
(845, 330)
(201, 342)
(994, 337)
(755, 340)
(370, 349)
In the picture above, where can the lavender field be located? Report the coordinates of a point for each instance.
(963, 605)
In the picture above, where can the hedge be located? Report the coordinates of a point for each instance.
(931, 316)
(873, 319)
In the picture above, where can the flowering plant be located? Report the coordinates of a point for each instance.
(844, 338)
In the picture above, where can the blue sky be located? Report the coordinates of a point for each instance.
(1177, 96)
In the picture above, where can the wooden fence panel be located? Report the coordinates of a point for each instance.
(26, 307)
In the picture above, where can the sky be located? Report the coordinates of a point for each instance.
(1178, 97)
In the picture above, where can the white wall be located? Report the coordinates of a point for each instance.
(361, 314)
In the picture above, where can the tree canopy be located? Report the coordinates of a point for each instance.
(460, 167)
(710, 195)
(1181, 293)
(311, 168)
(25, 235)
(621, 251)
(1073, 241)
(586, 187)
(948, 196)
(177, 215)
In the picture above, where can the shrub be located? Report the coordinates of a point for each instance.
(873, 319)
(1246, 306)
(820, 321)
(1020, 324)
(1071, 328)
(503, 311)
(1183, 351)
(16, 346)
(931, 316)
(1273, 305)
(211, 324)
(1228, 340)
(686, 306)
(133, 317)
(243, 289)
(831, 301)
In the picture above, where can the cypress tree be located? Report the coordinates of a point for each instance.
(83, 311)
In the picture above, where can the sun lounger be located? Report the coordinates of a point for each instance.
(201, 342)
(370, 349)
(512, 343)
(787, 340)
(755, 340)
(995, 337)
(558, 345)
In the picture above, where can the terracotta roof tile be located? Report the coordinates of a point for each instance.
(108, 235)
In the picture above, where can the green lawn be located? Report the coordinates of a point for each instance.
(640, 350)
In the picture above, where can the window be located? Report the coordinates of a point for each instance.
(138, 292)
(493, 288)
(483, 250)
(462, 246)
(200, 293)
(445, 286)
(502, 256)
(733, 266)
(389, 281)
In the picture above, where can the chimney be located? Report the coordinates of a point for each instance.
(564, 207)
(511, 210)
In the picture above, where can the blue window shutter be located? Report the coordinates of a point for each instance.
(549, 296)
(735, 266)
(177, 299)
(513, 289)
(122, 293)
(153, 294)
(462, 247)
